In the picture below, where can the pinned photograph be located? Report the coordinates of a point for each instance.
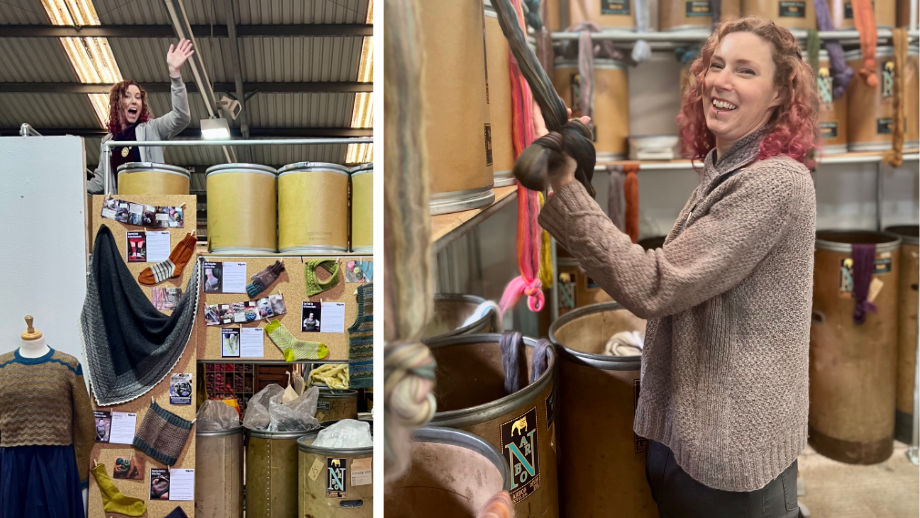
(129, 467)
(251, 311)
(230, 342)
(159, 484)
(311, 314)
(135, 214)
(265, 308)
(150, 216)
(180, 389)
(166, 299)
(103, 426)
(226, 314)
(176, 219)
(162, 217)
(137, 247)
(109, 208)
(359, 271)
(239, 312)
(213, 273)
(121, 213)
(211, 315)
(277, 302)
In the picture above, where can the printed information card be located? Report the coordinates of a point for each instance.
(333, 317)
(182, 484)
(252, 342)
(123, 426)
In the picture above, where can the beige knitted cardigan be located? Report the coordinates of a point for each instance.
(725, 363)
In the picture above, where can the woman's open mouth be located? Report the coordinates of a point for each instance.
(720, 106)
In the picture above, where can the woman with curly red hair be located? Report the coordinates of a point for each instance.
(724, 398)
(130, 120)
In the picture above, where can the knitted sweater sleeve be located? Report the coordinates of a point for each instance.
(713, 254)
(84, 425)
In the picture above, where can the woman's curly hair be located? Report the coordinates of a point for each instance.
(794, 121)
(115, 95)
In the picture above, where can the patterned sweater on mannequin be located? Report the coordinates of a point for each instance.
(44, 402)
(725, 362)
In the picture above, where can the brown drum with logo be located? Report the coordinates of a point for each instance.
(791, 14)
(842, 14)
(471, 397)
(609, 14)
(452, 474)
(853, 368)
(611, 103)
(912, 98)
(832, 114)
(871, 110)
(597, 400)
(219, 473)
(334, 482)
(334, 405)
(576, 289)
(457, 125)
(907, 331)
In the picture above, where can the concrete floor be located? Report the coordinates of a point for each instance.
(836, 490)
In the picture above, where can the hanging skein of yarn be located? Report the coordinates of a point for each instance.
(565, 137)
(409, 368)
(514, 361)
(864, 18)
(532, 14)
(642, 51)
(894, 156)
(840, 71)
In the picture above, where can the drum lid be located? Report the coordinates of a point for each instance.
(302, 167)
(327, 393)
(130, 167)
(362, 168)
(241, 168)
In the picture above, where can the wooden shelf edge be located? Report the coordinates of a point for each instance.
(445, 228)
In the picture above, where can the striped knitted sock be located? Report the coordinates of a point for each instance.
(263, 279)
(171, 267)
(293, 348)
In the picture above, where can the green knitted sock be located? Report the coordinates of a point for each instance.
(293, 348)
(113, 501)
(314, 285)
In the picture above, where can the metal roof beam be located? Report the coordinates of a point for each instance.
(98, 88)
(195, 133)
(199, 31)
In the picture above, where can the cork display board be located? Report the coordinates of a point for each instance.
(105, 453)
(292, 285)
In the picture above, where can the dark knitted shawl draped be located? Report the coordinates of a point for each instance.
(566, 137)
(129, 346)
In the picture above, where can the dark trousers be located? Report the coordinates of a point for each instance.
(680, 496)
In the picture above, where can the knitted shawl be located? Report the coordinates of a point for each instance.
(129, 346)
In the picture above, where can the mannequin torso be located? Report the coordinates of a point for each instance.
(33, 348)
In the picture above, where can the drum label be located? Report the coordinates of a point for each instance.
(825, 89)
(888, 79)
(336, 470)
(829, 129)
(324, 405)
(698, 9)
(848, 10)
(488, 144)
(551, 407)
(640, 442)
(882, 266)
(791, 9)
(519, 446)
(567, 292)
(883, 126)
(615, 7)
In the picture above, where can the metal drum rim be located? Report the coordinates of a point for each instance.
(451, 195)
(313, 167)
(460, 297)
(605, 64)
(154, 167)
(242, 250)
(308, 448)
(240, 168)
(466, 440)
(363, 249)
(219, 433)
(597, 361)
(880, 52)
(906, 239)
(258, 434)
(313, 250)
(457, 201)
(329, 393)
(366, 166)
(487, 411)
(847, 248)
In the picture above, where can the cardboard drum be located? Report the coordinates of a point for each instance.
(150, 178)
(791, 14)
(219, 474)
(334, 482)
(497, 52)
(907, 331)
(242, 215)
(312, 208)
(832, 114)
(362, 209)
(271, 474)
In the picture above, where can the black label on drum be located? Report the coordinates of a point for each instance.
(829, 129)
(615, 7)
(325, 406)
(848, 10)
(488, 144)
(519, 447)
(640, 442)
(551, 407)
(789, 9)
(883, 126)
(336, 485)
(698, 9)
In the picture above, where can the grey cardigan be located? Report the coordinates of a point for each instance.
(161, 128)
(725, 362)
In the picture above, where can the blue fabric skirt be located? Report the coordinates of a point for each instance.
(40, 482)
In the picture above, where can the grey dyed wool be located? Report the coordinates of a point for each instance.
(728, 303)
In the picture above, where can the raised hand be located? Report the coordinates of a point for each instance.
(177, 56)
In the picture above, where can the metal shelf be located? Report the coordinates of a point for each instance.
(693, 35)
(845, 158)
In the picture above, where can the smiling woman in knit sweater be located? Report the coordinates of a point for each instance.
(724, 396)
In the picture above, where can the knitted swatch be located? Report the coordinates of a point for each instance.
(162, 435)
(293, 348)
(361, 340)
(314, 285)
(113, 501)
(263, 279)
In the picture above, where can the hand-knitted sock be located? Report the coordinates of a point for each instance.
(171, 267)
(314, 285)
(293, 348)
(113, 501)
(263, 279)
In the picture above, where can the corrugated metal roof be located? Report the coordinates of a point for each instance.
(252, 12)
(47, 111)
(22, 12)
(35, 60)
(300, 110)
